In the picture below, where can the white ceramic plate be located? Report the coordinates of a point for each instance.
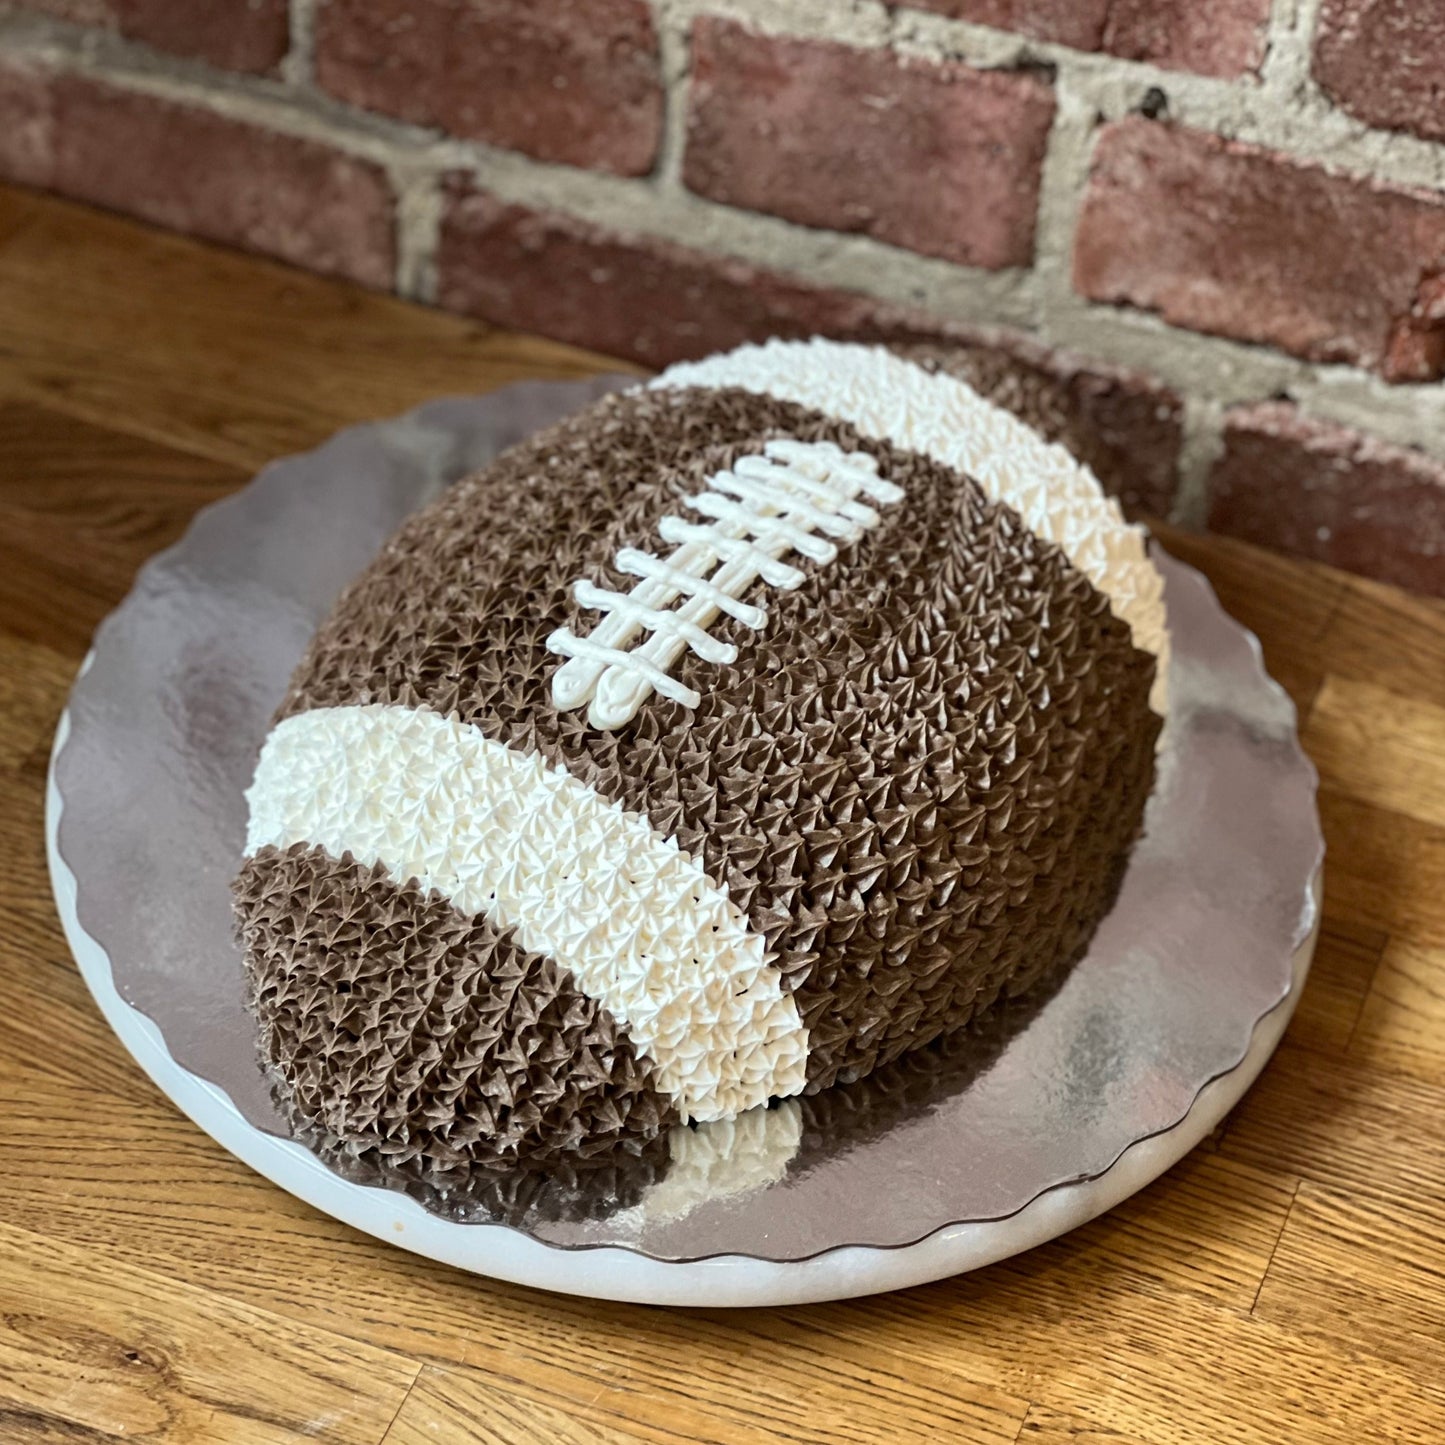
(1083, 1097)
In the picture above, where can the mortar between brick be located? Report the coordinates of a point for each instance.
(1217, 371)
(299, 66)
(673, 20)
(1242, 110)
(419, 204)
(1201, 446)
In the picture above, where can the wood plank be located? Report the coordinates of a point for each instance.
(1380, 748)
(1313, 619)
(1402, 1023)
(1140, 1365)
(124, 1351)
(81, 507)
(136, 1179)
(1343, 1126)
(1383, 870)
(34, 679)
(1043, 1426)
(19, 209)
(1288, 605)
(1206, 1229)
(716, 1398)
(80, 1168)
(1363, 1274)
(1380, 635)
(1341, 972)
(447, 1405)
(223, 354)
(24, 878)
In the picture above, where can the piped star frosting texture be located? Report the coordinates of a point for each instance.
(915, 786)
(635, 922)
(887, 396)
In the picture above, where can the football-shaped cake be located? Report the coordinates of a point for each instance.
(731, 739)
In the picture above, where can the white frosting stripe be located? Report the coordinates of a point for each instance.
(637, 922)
(893, 400)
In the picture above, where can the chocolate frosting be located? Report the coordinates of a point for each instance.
(409, 1031)
(918, 781)
(575, 1188)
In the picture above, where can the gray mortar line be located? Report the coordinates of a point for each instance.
(848, 262)
(299, 66)
(1257, 111)
(1287, 46)
(1201, 446)
(418, 230)
(1065, 174)
(825, 258)
(301, 112)
(1213, 372)
(675, 53)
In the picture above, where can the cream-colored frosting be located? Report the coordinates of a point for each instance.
(635, 920)
(893, 400)
(766, 506)
(722, 1160)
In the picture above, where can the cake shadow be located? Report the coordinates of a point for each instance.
(692, 1165)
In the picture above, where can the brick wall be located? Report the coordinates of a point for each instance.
(1201, 241)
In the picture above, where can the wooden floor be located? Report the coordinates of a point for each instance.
(1285, 1283)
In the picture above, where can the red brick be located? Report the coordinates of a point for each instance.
(938, 158)
(1222, 37)
(1077, 23)
(192, 170)
(654, 302)
(1323, 491)
(646, 300)
(1127, 427)
(1239, 241)
(1384, 62)
(26, 128)
(575, 81)
(249, 35)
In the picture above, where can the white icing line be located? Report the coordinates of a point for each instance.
(767, 506)
(893, 400)
(635, 920)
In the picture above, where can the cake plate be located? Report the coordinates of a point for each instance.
(1055, 1110)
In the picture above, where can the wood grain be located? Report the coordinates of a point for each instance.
(1380, 747)
(447, 1406)
(1341, 976)
(124, 1351)
(1363, 1273)
(1402, 1020)
(81, 507)
(221, 354)
(1043, 1426)
(1285, 1282)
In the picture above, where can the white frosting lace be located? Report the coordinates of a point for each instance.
(796, 497)
(891, 399)
(636, 921)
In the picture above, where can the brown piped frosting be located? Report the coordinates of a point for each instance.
(412, 1032)
(917, 783)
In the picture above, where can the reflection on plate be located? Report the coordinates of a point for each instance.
(1211, 926)
(666, 1178)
